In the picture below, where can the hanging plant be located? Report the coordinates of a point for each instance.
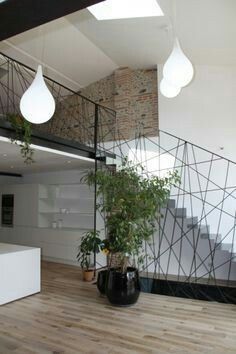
(22, 137)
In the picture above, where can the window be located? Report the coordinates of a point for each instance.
(119, 9)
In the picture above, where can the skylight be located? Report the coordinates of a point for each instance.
(120, 9)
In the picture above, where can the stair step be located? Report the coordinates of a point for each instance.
(204, 230)
(205, 236)
(171, 203)
(180, 212)
(111, 166)
(226, 246)
(233, 256)
(216, 237)
(193, 221)
(209, 236)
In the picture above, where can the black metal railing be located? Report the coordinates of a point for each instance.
(193, 252)
(79, 125)
(74, 118)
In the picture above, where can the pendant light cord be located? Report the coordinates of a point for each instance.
(42, 54)
(43, 46)
(174, 19)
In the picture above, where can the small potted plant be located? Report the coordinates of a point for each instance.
(131, 202)
(90, 244)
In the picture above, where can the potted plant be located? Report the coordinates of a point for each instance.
(90, 244)
(131, 203)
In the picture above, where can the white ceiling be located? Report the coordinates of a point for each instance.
(78, 49)
(206, 29)
(11, 161)
(69, 56)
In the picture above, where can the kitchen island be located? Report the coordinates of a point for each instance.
(20, 274)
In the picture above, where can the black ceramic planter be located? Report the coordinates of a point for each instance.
(123, 289)
(102, 281)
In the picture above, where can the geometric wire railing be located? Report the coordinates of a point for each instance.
(78, 124)
(193, 251)
(74, 118)
(201, 245)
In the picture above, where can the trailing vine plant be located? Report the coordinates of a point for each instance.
(22, 136)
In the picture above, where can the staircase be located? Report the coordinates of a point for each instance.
(188, 250)
(194, 246)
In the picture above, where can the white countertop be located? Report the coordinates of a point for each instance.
(6, 248)
(19, 272)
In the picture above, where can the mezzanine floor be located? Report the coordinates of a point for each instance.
(69, 316)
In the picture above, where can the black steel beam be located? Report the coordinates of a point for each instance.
(54, 142)
(50, 141)
(17, 16)
(9, 174)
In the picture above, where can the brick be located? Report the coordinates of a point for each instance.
(131, 93)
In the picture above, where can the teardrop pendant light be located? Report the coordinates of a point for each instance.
(37, 104)
(178, 70)
(168, 90)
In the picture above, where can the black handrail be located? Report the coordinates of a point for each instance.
(197, 146)
(57, 83)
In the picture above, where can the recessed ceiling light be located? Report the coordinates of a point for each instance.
(68, 161)
(12, 166)
(118, 9)
(4, 155)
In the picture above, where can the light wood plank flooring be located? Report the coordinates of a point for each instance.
(69, 316)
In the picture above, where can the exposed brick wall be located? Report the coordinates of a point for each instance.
(101, 92)
(133, 95)
(144, 103)
(73, 120)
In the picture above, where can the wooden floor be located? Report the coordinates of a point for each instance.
(69, 316)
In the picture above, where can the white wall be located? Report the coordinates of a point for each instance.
(25, 203)
(56, 177)
(10, 180)
(204, 112)
(34, 228)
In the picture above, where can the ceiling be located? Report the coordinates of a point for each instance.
(11, 161)
(19, 16)
(77, 50)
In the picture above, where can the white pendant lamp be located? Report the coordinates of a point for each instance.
(168, 90)
(178, 70)
(37, 104)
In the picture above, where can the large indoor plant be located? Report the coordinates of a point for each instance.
(90, 244)
(131, 202)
